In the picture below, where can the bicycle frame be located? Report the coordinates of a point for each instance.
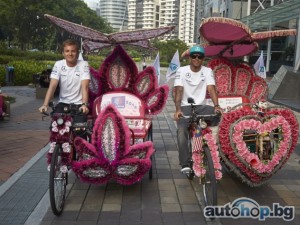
(63, 131)
(205, 158)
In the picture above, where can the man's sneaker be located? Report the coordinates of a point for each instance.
(186, 169)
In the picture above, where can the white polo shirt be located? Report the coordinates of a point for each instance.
(194, 84)
(70, 80)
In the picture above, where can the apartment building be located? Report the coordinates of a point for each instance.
(186, 24)
(143, 14)
(169, 16)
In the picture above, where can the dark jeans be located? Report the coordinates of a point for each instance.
(182, 131)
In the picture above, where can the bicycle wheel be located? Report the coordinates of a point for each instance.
(57, 182)
(209, 183)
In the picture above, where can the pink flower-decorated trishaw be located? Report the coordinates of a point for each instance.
(123, 101)
(255, 141)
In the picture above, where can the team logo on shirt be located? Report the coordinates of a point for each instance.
(188, 75)
(86, 69)
(63, 69)
(202, 77)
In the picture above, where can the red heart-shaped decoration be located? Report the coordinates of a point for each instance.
(256, 166)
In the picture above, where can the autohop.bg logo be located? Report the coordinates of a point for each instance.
(249, 208)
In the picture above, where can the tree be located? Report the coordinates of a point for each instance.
(22, 21)
(168, 48)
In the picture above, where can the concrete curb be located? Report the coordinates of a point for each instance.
(7, 185)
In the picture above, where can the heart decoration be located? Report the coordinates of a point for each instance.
(272, 142)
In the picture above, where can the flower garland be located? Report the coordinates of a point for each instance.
(60, 134)
(243, 170)
(253, 159)
(198, 154)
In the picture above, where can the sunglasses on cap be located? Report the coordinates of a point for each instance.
(197, 56)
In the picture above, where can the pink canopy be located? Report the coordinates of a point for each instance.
(232, 39)
(228, 51)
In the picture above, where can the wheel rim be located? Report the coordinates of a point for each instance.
(57, 183)
(59, 186)
(209, 182)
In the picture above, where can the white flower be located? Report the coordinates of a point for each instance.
(54, 124)
(67, 129)
(68, 123)
(48, 168)
(62, 131)
(54, 129)
(66, 147)
(64, 169)
(51, 150)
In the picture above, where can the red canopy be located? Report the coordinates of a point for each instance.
(231, 39)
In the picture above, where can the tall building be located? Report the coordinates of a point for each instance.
(135, 14)
(169, 11)
(186, 26)
(92, 4)
(115, 12)
(143, 14)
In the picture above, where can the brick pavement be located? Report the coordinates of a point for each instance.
(24, 134)
(169, 198)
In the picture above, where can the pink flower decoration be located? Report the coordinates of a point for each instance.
(119, 72)
(238, 157)
(109, 155)
(197, 155)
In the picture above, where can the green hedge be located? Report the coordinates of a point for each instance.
(28, 63)
(23, 70)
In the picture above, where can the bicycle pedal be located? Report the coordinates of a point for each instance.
(186, 170)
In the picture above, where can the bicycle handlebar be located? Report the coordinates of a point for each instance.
(45, 113)
(201, 116)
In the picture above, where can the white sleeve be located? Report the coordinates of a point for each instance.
(86, 71)
(210, 77)
(55, 71)
(178, 78)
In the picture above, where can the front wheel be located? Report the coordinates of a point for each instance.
(57, 182)
(209, 182)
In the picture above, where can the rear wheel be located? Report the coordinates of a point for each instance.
(57, 182)
(209, 182)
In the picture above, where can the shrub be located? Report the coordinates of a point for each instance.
(23, 71)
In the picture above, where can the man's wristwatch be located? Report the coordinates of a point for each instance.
(217, 106)
(85, 104)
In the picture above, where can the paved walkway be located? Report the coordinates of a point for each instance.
(169, 198)
(24, 134)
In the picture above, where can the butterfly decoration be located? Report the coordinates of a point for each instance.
(94, 39)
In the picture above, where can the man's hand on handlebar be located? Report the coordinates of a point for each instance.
(178, 115)
(43, 109)
(218, 110)
(84, 109)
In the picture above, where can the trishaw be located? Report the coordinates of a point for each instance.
(116, 141)
(255, 141)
